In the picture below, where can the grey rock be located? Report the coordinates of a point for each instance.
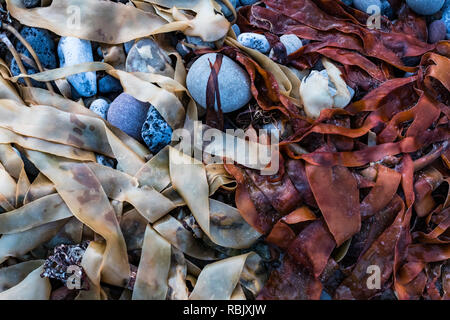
(234, 82)
(446, 18)
(147, 56)
(31, 4)
(247, 2)
(73, 51)
(236, 29)
(254, 41)
(437, 31)
(42, 43)
(197, 41)
(425, 7)
(128, 45)
(100, 107)
(128, 114)
(182, 49)
(363, 5)
(105, 161)
(109, 84)
(291, 42)
(227, 12)
(156, 133)
(348, 2)
(387, 10)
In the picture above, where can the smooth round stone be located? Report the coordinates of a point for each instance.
(147, 56)
(156, 133)
(100, 107)
(254, 41)
(42, 43)
(247, 2)
(437, 31)
(425, 7)
(291, 42)
(234, 82)
(446, 18)
(236, 29)
(197, 41)
(31, 4)
(128, 114)
(363, 5)
(109, 84)
(73, 51)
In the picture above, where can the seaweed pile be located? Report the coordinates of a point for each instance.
(359, 208)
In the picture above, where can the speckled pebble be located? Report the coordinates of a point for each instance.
(291, 42)
(254, 41)
(42, 43)
(73, 51)
(156, 133)
(109, 84)
(128, 114)
(236, 29)
(436, 31)
(425, 7)
(363, 5)
(100, 107)
(234, 82)
(105, 161)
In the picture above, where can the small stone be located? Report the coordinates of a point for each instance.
(197, 41)
(363, 5)
(182, 49)
(227, 12)
(105, 161)
(128, 45)
(348, 2)
(247, 2)
(325, 296)
(291, 42)
(31, 4)
(109, 84)
(446, 19)
(73, 51)
(128, 114)
(236, 29)
(234, 82)
(425, 7)
(42, 43)
(254, 41)
(100, 107)
(156, 133)
(436, 31)
(147, 56)
(386, 9)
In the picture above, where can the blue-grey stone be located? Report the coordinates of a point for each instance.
(234, 82)
(31, 4)
(348, 2)
(182, 49)
(254, 41)
(128, 114)
(247, 2)
(325, 296)
(425, 7)
(363, 5)
(227, 12)
(291, 42)
(147, 56)
(73, 51)
(128, 45)
(197, 41)
(446, 18)
(387, 10)
(100, 107)
(109, 84)
(156, 133)
(105, 161)
(236, 29)
(437, 31)
(42, 43)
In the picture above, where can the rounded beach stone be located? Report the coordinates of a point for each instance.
(437, 31)
(254, 41)
(109, 84)
(425, 7)
(363, 5)
(234, 82)
(42, 43)
(73, 51)
(147, 56)
(156, 133)
(446, 18)
(100, 107)
(291, 42)
(128, 114)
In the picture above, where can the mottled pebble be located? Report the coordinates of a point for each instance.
(100, 107)
(254, 41)
(236, 29)
(156, 133)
